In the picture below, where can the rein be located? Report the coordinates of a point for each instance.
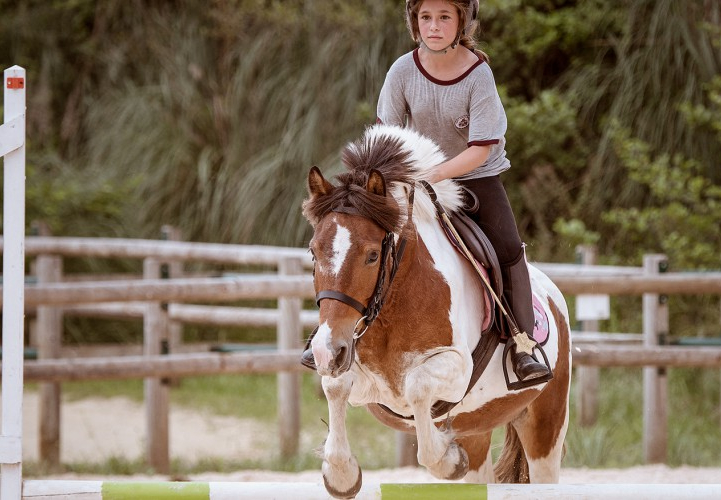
(370, 312)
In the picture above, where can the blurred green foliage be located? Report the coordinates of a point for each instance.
(208, 115)
(682, 212)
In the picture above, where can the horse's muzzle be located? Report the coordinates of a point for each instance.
(333, 361)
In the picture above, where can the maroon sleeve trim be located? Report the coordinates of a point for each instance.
(488, 142)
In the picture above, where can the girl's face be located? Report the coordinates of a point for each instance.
(438, 23)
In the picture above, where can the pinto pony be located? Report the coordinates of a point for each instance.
(401, 311)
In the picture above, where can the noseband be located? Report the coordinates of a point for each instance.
(370, 312)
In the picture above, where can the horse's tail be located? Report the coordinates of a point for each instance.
(512, 466)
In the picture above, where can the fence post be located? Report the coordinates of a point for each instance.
(49, 328)
(655, 329)
(12, 147)
(588, 376)
(172, 270)
(155, 341)
(290, 332)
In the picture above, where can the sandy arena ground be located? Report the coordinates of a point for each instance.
(98, 429)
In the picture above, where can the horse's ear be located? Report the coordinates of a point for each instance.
(317, 185)
(376, 183)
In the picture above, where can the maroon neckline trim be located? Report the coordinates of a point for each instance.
(425, 73)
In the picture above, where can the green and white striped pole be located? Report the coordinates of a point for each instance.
(112, 490)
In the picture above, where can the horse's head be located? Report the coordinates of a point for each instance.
(350, 250)
(357, 220)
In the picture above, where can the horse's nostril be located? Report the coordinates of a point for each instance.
(341, 356)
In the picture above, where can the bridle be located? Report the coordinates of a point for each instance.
(389, 251)
(370, 312)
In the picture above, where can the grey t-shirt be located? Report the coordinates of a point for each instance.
(456, 114)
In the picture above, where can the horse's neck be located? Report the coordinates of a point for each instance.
(417, 295)
(413, 321)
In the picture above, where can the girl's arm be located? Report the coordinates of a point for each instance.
(469, 159)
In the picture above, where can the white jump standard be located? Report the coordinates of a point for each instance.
(12, 148)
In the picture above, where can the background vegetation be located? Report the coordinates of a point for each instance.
(207, 114)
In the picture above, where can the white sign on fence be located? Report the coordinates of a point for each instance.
(593, 307)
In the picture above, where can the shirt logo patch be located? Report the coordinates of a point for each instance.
(462, 122)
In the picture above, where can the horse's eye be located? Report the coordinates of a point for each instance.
(372, 257)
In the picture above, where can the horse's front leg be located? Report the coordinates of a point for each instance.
(437, 378)
(341, 473)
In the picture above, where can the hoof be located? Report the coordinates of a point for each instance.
(350, 493)
(461, 468)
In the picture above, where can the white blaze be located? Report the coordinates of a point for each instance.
(341, 245)
(320, 342)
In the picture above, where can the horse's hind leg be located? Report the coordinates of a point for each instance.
(541, 428)
(542, 441)
(341, 473)
(480, 462)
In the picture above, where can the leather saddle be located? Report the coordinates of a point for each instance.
(480, 246)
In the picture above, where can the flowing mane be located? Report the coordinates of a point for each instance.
(403, 157)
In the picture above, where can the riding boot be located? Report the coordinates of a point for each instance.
(517, 293)
(307, 359)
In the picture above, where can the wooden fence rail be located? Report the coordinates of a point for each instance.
(177, 251)
(193, 314)
(259, 286)
(167, 290)
(162, 366)
(638, 356)
(669, 283)
(199, 364)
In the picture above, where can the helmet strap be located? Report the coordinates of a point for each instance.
(451, 46)
(441, 51)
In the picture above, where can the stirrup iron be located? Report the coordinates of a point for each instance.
(526, 344)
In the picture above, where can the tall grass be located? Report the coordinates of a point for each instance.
(218, 139)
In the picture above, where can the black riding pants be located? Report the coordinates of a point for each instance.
(495, 217)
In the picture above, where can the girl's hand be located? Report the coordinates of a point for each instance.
(436, 174)
(469, 159)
